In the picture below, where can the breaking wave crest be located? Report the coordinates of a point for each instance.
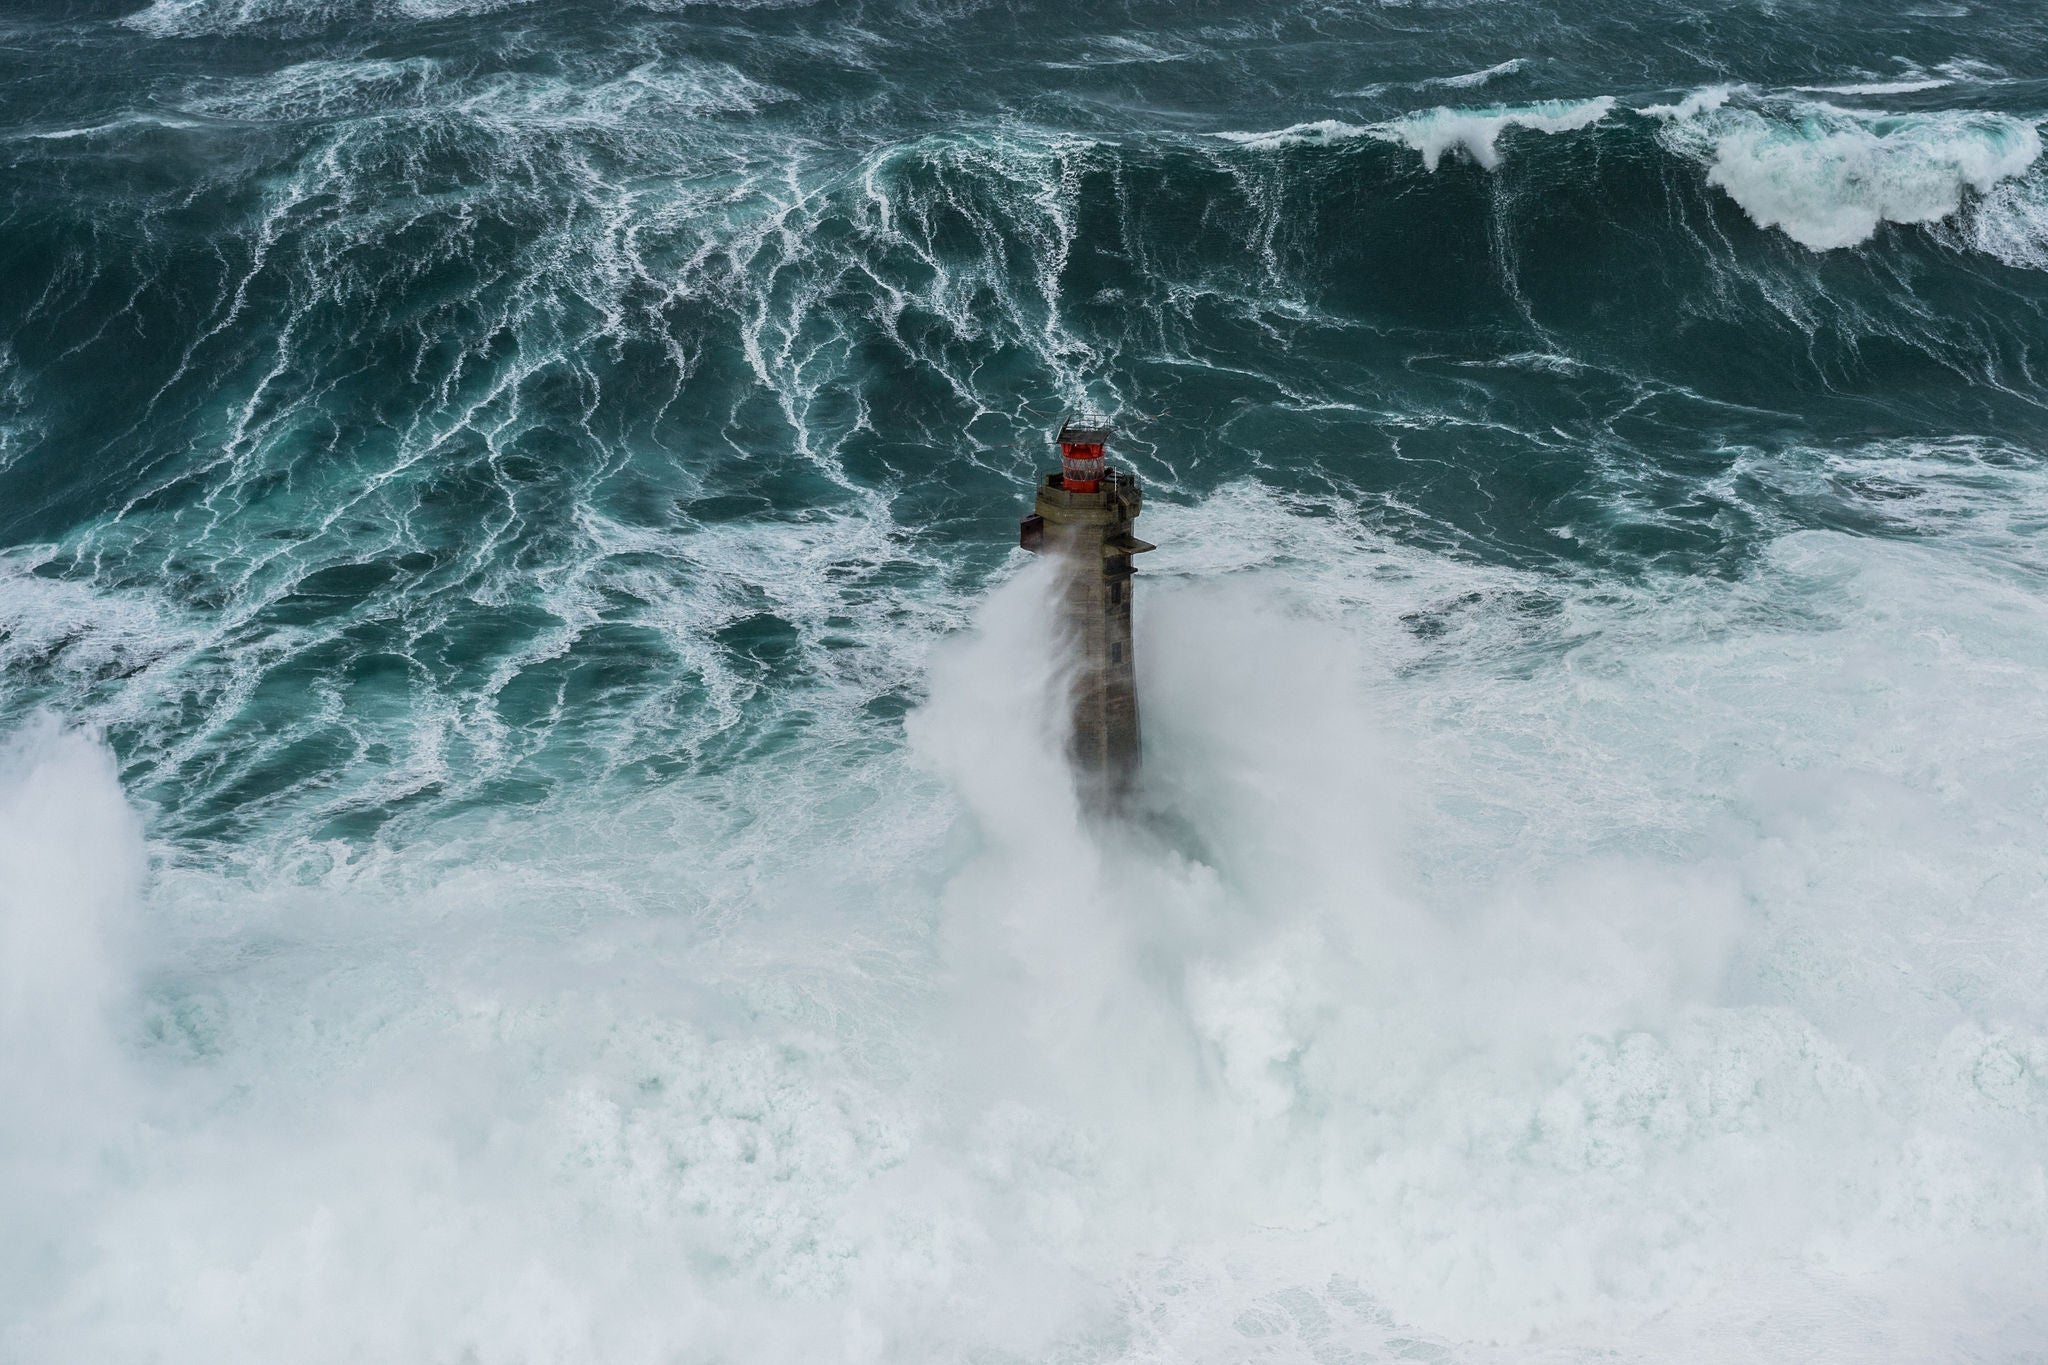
(1829, 177)
(1473, 132)
(1476, 133)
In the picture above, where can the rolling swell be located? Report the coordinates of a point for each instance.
(482, 359)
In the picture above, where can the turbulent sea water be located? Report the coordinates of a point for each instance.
(531, 826)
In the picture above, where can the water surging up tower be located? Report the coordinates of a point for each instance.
(1082, 517)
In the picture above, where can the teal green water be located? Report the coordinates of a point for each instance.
(519, 501)
(438, 367)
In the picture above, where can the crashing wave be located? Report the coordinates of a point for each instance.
(1827, 177)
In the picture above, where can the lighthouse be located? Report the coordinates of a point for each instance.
(1082, 517)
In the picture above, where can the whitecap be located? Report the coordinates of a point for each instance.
(1908, 87)
(1473, 132)
(1828, 177)
(1318, 134)
(1472, 79)
(114, 125)
(1476, 132)
(1700, 101)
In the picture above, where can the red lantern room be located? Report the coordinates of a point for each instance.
(1082, 460)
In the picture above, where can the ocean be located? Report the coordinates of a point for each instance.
(532, 818)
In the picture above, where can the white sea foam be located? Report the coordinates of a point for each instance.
(111, 127)
(1468, 80)
(324, 88)
(417, 87)
(1906, 87)
(1645, 972)
(1701, 101)
(187, 18)
(645, 94)
(1319, 133)
(2011, 223)
(1475, 133)
(1472, 79)
(1828, 177)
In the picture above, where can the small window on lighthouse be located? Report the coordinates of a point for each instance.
(1116, 593)
(1116, 653)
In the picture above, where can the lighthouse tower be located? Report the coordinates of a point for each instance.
(1083, 517)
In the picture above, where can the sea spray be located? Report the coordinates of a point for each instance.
(71, 865)
(70, 876)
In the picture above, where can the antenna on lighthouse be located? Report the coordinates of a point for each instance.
(1082, 516)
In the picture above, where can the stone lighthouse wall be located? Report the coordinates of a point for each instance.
(1089, 535)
